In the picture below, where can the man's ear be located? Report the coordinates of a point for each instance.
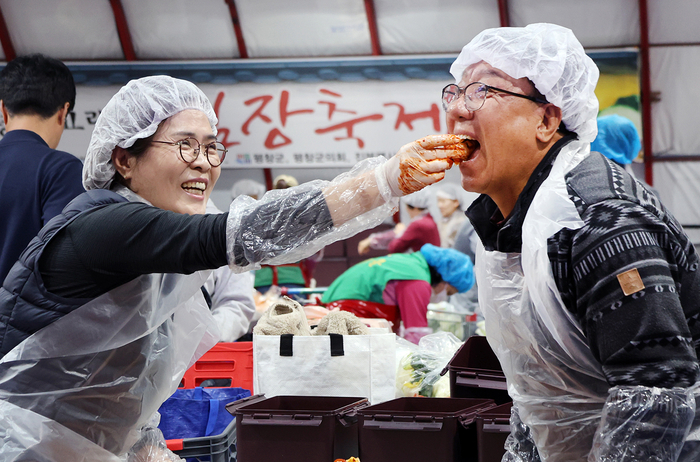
(5, 113)
(123, 162)
(62, 114)
(549, 124)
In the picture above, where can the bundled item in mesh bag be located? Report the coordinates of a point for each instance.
(419, 368)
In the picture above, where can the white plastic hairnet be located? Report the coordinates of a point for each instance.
(449, 191)
(134, 113)
(248, 187)
(552, 58)
(419, 200)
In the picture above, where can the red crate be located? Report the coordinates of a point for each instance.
(232, 361)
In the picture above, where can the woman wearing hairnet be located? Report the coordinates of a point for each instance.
(588, 285)
(398, 287)
(407, 238)
(103, 312)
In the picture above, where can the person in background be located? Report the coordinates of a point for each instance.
(36, 180)
(452, 215)
(284, 182)
(249, 188)
(589, 287)
(398, 287)
(229, 296)
(103, 313)
(293, 275)
(420, 230)
(466, 241)
(618, 140)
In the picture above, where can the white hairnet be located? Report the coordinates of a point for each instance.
(552, 58)
(134, 113)
(420, 199)
(249, 188)
(449, 191)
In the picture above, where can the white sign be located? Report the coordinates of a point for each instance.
(298, 125)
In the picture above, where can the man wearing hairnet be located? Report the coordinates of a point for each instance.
(587, 284)
(104, 312)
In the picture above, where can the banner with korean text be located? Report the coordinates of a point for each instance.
(298, 125)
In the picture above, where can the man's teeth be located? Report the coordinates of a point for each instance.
(194, 187)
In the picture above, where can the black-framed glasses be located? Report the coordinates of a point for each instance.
(189, 150)
(475, 95)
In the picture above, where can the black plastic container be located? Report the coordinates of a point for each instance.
(492, 429)
(296, 428)
(476, 373)
(421, 429)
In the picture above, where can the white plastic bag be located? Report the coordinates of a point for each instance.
(315, 367)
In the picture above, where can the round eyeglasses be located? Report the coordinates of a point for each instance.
(475, 95)
(189, 150)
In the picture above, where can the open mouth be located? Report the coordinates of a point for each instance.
(464, 150)
(195, 188)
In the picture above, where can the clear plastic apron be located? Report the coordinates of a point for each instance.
(554, 380)
(81, 388)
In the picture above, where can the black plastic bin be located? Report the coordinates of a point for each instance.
(296, 428)
(476, 373)
(492, 429)
(421, 429)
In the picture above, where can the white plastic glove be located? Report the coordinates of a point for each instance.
(421, 163)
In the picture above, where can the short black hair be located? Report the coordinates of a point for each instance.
(36, 85)
(435, 276)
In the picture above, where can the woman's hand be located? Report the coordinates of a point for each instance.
(421, 163)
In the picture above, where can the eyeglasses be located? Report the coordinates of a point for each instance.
(189, 150)
(475, 95)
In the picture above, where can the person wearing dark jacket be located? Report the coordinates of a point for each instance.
(36, 180)
(588, 285)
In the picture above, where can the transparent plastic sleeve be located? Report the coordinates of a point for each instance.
(643, 423)
(288, 225)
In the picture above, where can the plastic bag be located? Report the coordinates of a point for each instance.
(419, 368)
(197, 412)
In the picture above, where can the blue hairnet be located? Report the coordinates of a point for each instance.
(455, 267)
(617, 139)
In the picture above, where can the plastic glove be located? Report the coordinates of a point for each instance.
(644, 423)
(151, 447)
(421, 163)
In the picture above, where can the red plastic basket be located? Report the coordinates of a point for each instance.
(232, 361)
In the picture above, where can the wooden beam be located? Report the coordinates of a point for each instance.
(373, 30)
(7, 46)
(503, 13)
(242, 49)
(268, 178)
(646, 96)
(123, 30)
